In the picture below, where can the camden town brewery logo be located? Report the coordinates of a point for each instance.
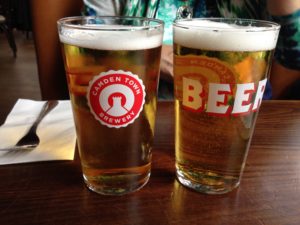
(116, 98)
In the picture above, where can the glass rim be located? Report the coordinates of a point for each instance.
(66, 22)
(265, 25)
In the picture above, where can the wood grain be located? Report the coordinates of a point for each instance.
(269, 194)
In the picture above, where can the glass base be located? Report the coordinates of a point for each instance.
(205, 183)
(115, 184)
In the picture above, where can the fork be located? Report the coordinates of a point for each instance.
(31, 140)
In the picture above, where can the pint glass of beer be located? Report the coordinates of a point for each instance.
(221, 67)
(112, 68)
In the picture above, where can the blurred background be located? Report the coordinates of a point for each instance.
(18, 68)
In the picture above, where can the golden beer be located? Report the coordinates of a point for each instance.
(220, 74)
(112, 70)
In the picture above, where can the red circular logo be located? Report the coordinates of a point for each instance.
(116, 98)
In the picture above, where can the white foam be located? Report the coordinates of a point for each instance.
(106, 39)
(224, 37)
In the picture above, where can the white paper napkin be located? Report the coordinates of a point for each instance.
(56, 132)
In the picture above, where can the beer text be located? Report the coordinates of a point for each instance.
(217, 100)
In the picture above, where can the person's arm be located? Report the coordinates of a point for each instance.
(166, 66)
(282, 7)
(282, 77)
(51, 71)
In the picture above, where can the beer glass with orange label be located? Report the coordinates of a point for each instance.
(112, 68)
(221, 68)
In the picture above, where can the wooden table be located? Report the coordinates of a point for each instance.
(269, 194)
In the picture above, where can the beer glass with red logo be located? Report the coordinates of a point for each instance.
(221, 67)
(112, 68)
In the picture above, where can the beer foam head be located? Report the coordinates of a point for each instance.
(221, 36)
(112, 37)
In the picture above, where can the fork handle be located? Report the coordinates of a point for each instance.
(47, 107)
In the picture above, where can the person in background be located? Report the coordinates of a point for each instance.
(285, 74)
